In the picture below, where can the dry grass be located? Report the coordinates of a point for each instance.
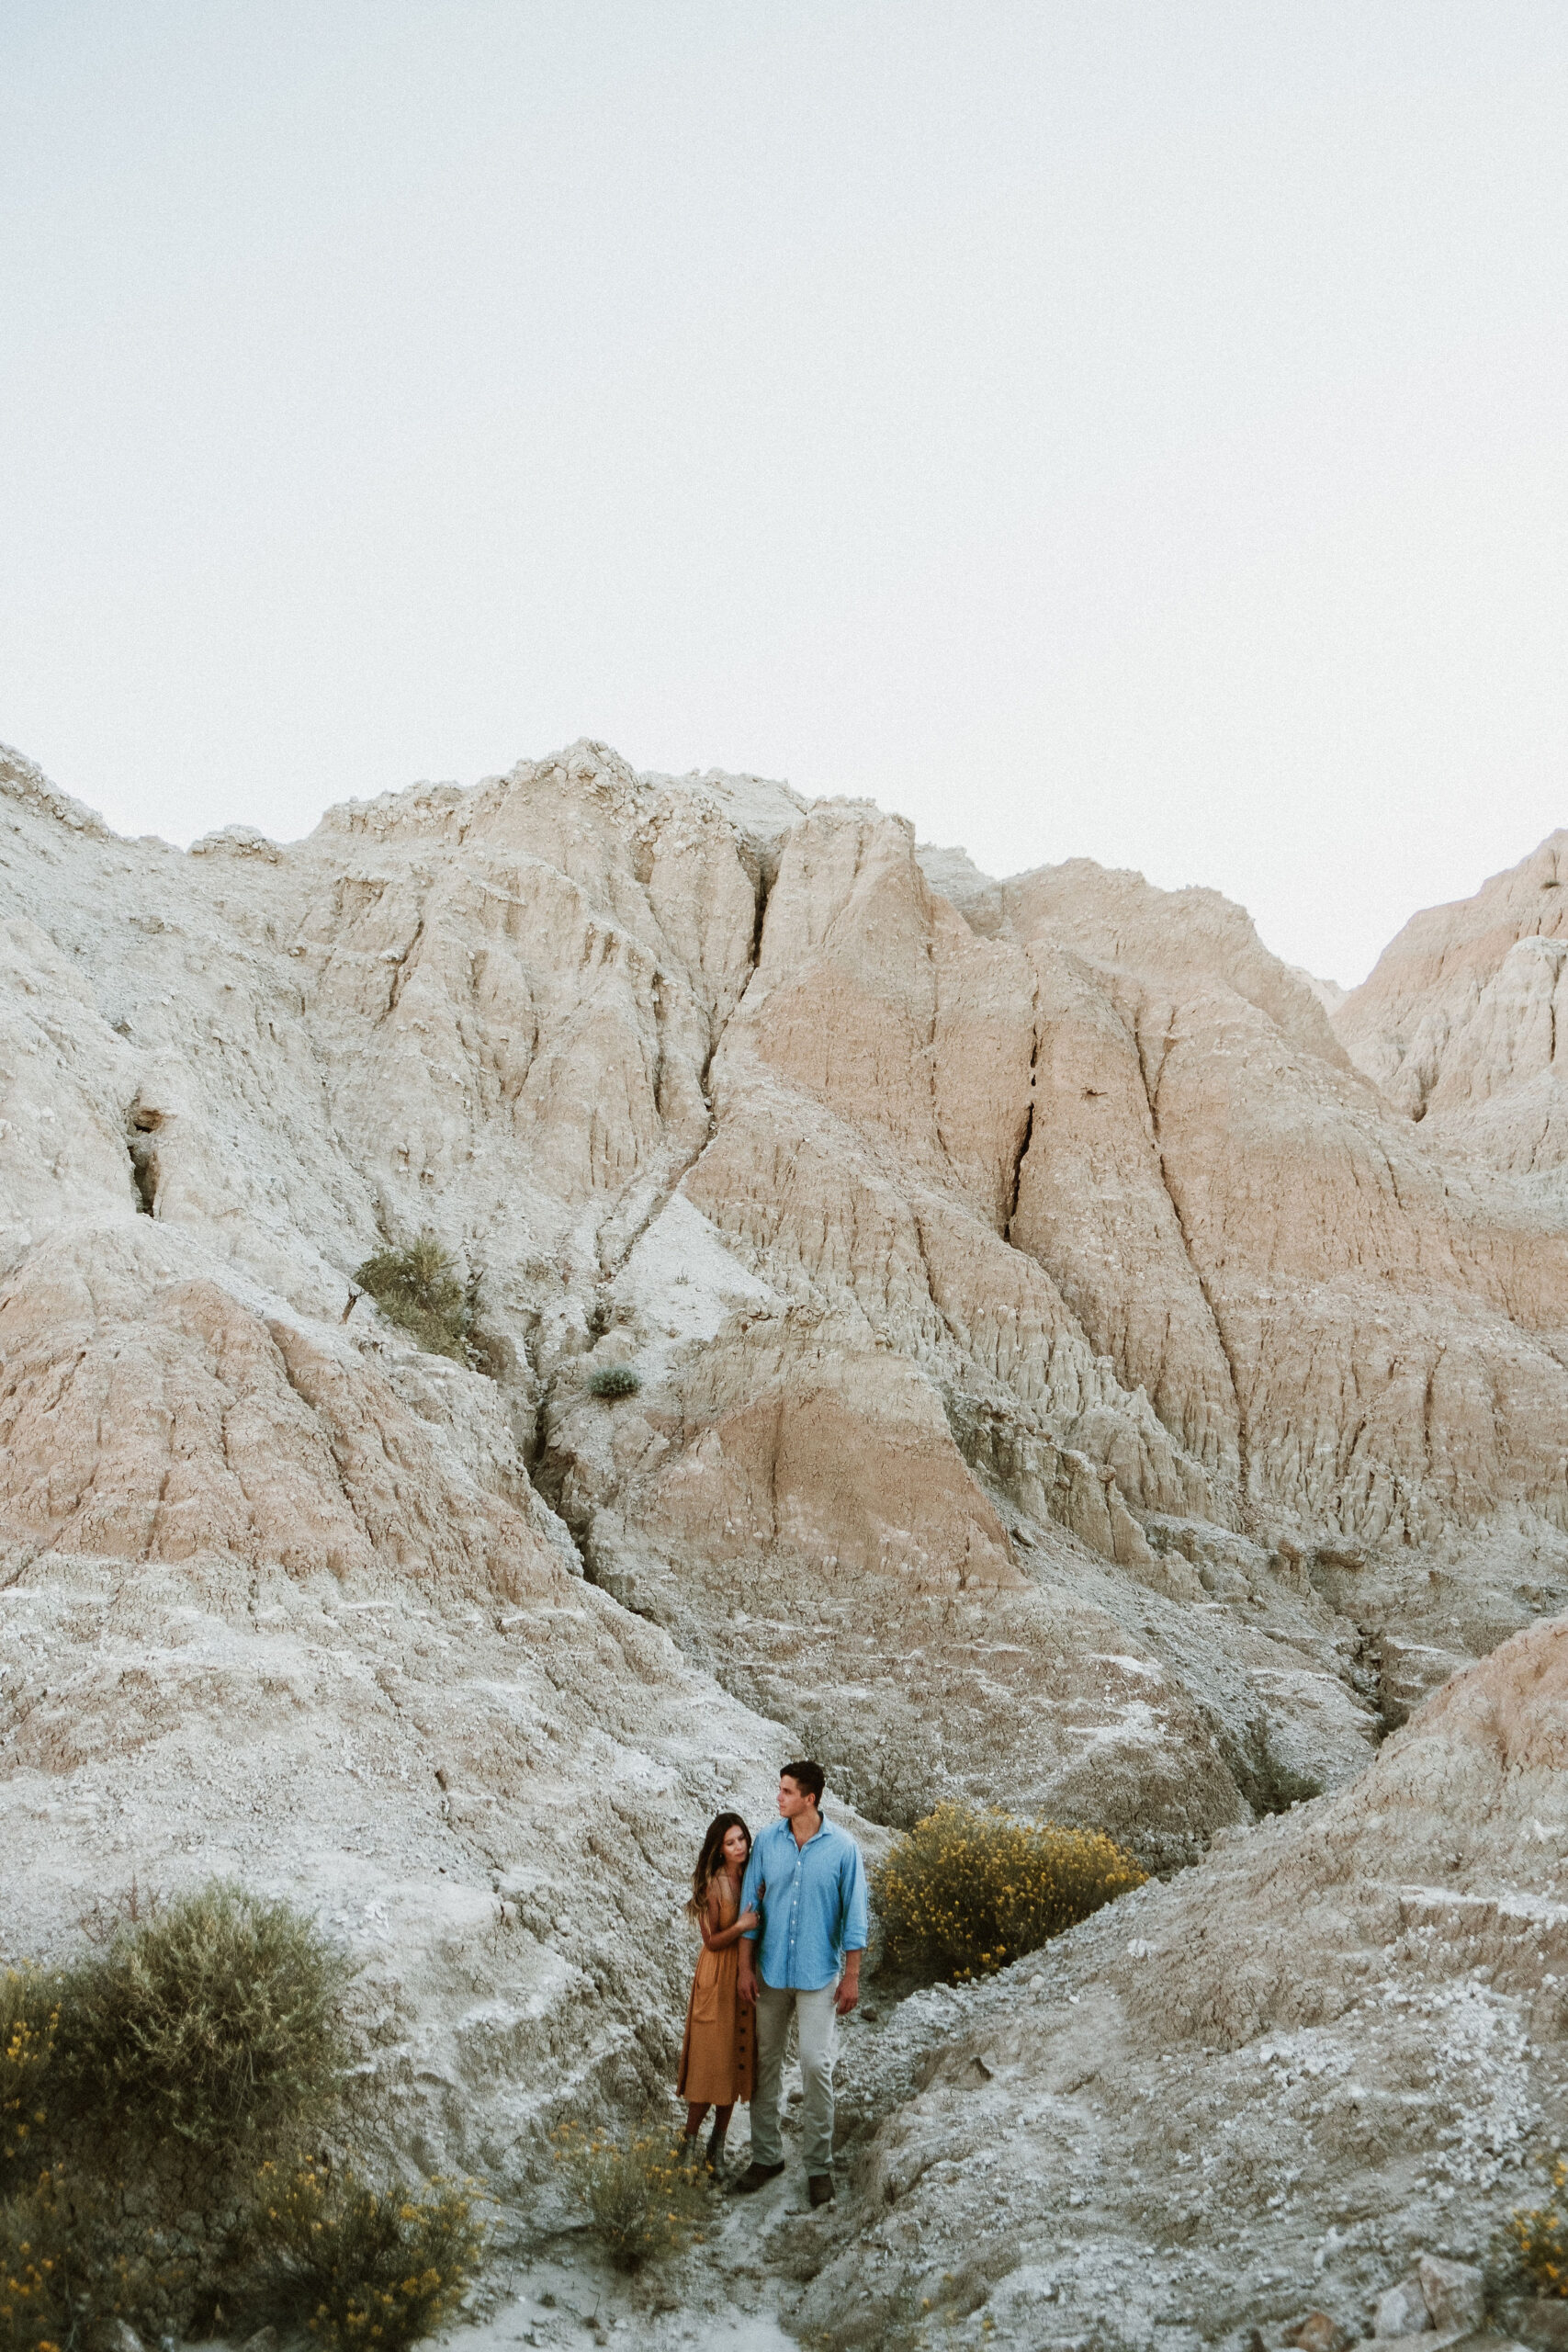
(966, 1892)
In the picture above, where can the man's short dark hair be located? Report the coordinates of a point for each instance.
(808, 1778)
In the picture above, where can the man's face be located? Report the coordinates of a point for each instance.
(792, 1801)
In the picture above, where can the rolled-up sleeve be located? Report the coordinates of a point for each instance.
(856, 1920)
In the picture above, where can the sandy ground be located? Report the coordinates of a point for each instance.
(569, 2296)
(721, 2296)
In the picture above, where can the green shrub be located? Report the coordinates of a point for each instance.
(213, 2022)
(418, 1289)
(965, 1891)
(358, 2266)
(646, 2197)
(1540, 2236)
(613, 1380)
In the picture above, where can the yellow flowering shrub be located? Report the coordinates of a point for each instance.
(1540, 2232)
(63, 2268)
(29, 2020)
(35, 2283)
(966, 1891)
(360, 2267)
(646, 2197)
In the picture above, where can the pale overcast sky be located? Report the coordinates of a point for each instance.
(1125, 430)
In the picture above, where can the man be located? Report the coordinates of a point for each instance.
(807, 1882)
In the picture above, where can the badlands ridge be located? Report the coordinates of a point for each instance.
(1078, 1372)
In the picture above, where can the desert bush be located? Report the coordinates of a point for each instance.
(646, 2197)
(356, 2265)
(418, 1289)
(1540, 2236)
(139, 2091)
(612, 1380)
(213, 2022)
(965, 1891)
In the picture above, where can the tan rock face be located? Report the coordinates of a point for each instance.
(1459, 1022)
(841, 1455)
(1064, 1379)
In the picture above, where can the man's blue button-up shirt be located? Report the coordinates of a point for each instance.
(812, 1901)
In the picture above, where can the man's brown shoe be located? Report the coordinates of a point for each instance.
(755, 2177)
(820, 2187)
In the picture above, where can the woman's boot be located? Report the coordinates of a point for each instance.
(716, 2147)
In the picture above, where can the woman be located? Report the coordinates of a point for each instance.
(718, 2054)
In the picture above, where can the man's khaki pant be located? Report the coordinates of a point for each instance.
(818, 2024)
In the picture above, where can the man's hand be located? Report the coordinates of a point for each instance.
(747, 1985)
(847, 1994)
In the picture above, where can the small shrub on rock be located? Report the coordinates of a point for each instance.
(645, 2196)
(966, 1892)
(214, 2022)
(612, 1380)
(359, 2265)
(418, 1289)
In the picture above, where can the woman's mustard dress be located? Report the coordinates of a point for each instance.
(718, 2057)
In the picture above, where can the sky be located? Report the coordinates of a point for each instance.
(1117, 430)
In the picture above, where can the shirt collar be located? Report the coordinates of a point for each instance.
(788, 1828)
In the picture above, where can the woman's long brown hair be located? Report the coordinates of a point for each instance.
(711, 1859)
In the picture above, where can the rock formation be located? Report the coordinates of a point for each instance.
(1458, 1022)
(1260, 2090)
(1082, 1366)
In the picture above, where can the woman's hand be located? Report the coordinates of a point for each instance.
(748, 1920)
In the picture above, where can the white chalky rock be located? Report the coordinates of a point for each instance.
(1402, 2310)
(1455, 2293)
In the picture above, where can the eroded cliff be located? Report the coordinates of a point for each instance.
(1071, 1374)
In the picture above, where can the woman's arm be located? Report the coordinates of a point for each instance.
(717, 1939)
